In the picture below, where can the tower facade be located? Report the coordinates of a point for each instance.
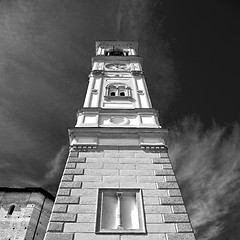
(118, 181)
(24, 213)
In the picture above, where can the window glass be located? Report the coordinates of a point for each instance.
(109, 211)
(129, 211)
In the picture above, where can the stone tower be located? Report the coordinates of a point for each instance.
(118, 182)
(24, 213)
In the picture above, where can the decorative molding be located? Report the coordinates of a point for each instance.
(137, 73)
(152, 138)
(140, 92)
(117, 66)
(119, 120)
(84, 147)
(150, 147)
(95, 91)
(97, 72)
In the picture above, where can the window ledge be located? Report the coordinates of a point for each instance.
(119, 231)
(118, 98)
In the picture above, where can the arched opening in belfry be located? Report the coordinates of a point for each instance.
(118, 89)
(116, 52)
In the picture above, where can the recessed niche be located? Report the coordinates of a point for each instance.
(120, 211)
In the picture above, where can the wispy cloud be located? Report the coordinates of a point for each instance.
(55, 170)
(207, 165)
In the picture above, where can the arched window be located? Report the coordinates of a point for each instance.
(11, 209)
(118, 90)
(116, 52)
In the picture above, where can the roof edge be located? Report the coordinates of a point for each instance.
(28, 189)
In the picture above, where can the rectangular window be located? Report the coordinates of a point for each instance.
(120, 211)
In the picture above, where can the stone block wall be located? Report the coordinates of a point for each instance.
(30, 216)
(74, 212)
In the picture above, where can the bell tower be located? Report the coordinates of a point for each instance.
(117, 94)
(118, 181)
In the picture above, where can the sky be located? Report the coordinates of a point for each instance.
(190, 53)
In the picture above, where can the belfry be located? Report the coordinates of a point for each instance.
(118, 182)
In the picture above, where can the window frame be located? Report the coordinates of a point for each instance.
(118, 88)
(140, 208)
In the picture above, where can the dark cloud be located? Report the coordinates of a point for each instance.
(46, 49)
(45, 58)
(144, 21)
